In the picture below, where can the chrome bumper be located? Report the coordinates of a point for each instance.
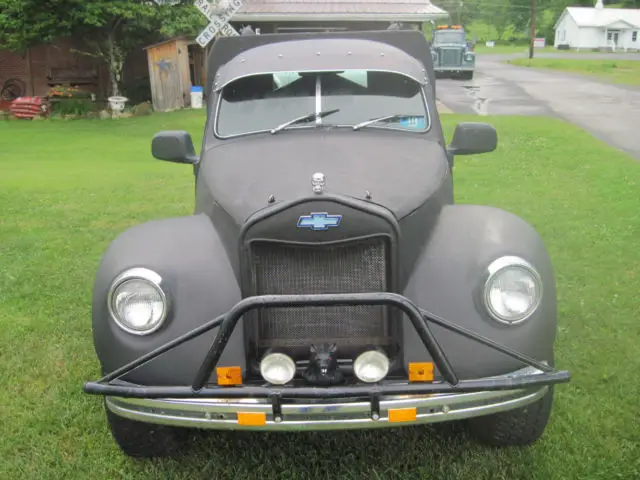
(222, 414)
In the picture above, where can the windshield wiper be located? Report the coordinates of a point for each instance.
(305, 118)
(382, 119)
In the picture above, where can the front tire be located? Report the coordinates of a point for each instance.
(519, 427)
(145, 440)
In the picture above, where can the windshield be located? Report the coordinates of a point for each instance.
(265, 102)
(448, 37)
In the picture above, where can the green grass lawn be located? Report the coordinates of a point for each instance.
(68, 188)
(481, 48)
(616, 71)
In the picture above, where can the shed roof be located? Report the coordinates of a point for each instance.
(169, 40)
(594, 17)
(349, 10)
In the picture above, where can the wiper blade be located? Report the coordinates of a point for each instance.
(305, 118)
(381, 119)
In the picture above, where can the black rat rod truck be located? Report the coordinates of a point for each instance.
(326, 279)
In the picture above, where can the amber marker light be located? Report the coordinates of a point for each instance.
(421, 371)
(229, 375)
(402, 415)
(252, 419)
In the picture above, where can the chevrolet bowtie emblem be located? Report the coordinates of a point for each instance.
(319, 221)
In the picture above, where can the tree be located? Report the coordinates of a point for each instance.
(512, 18)
(25, 23)
(110, 28)
(113, 28)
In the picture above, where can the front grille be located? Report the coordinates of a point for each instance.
(352, 267)
(450, 57)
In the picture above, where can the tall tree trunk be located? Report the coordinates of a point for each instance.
(532, 31)
(115, 91)
(115, 61)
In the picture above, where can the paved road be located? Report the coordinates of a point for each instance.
(610, 112)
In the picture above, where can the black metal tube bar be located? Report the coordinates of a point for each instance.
(463, 386)
(138, 362)
(485, 341)
(320, 300)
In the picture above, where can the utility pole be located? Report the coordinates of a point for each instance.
(532, 33)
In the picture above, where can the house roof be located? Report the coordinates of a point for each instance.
(332, 10)
(593, 17)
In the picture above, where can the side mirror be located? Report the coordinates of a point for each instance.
(473, 137)
(174, 146)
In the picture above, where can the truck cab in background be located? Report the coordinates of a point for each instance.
(452, 54)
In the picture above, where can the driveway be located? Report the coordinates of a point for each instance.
(610, 112)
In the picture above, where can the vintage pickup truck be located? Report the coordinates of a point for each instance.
(326, 279)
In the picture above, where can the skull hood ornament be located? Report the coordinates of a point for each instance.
(318, 181)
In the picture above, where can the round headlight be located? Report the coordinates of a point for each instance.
(468, 57)
(371, 366)
(513, 290)
(137, 302)
(277, 368)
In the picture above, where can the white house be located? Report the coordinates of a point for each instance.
(598, 27)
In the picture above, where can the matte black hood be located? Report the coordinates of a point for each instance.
(400, 170)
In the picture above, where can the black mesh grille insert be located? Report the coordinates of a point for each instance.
(356, 267)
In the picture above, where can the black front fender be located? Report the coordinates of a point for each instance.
(189, 256)
(448, 278)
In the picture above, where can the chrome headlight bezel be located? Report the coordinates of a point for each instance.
(155, 281)
(500, 265)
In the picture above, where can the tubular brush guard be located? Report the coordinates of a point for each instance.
(419, 319)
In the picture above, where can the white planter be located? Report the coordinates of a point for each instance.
(117, 103)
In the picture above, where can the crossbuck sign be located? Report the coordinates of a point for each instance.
(219, 17)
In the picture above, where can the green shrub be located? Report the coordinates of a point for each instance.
(72, 106)
(144, 108)
(70, 101)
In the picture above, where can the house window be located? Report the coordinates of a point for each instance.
(634, 36)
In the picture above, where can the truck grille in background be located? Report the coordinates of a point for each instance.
(450, 57)
(350, 267)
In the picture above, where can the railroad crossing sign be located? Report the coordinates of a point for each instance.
(219, 16)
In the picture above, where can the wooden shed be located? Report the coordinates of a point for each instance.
(175, 65)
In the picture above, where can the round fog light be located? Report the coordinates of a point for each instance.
(371, 366)
(277, 368)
